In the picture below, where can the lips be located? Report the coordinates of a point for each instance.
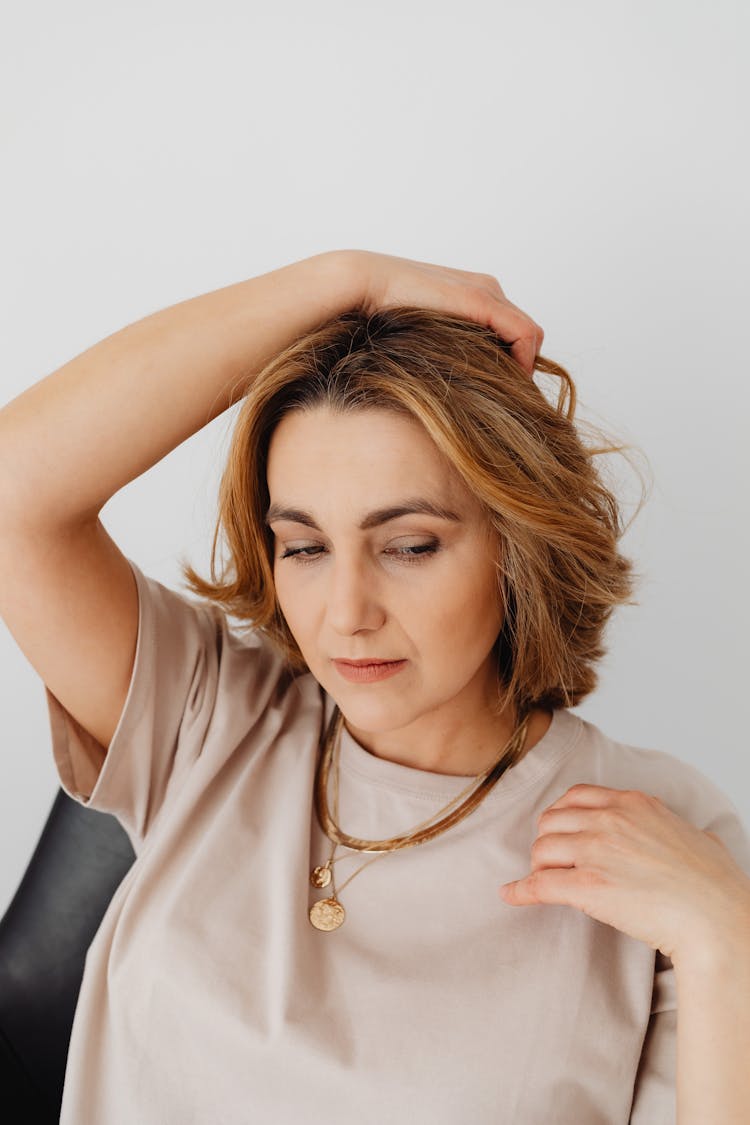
(368, 670)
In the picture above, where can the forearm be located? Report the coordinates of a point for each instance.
(72, 440)
(713, 1033)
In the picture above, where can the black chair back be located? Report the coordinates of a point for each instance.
(80, 859)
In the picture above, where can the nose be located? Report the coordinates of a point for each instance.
(353, 601)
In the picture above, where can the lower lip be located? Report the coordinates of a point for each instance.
(366, 673)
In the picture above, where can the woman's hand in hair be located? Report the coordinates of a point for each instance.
(388, 281)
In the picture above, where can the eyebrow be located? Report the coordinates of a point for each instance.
(416, 505)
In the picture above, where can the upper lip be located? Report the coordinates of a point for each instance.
(366, 660)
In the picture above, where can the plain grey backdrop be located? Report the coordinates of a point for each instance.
(592, 156)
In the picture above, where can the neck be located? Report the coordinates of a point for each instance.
(439, 742)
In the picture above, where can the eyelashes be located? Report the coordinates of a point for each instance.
(408, 555)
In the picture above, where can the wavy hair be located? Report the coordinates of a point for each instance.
(559, 571)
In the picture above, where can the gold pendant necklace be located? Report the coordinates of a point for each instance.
(328, 914)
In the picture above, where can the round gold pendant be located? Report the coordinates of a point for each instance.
(327, 914)
(321, 876)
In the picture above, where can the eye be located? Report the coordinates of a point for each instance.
(413, 554)
(305, 555)
(300, 554)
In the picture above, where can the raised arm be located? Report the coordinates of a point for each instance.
(74, 439)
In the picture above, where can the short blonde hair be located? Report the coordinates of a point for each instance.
(560, 573)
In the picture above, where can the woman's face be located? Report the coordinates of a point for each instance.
(416, 587)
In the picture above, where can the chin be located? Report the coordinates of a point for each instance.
(376, 717)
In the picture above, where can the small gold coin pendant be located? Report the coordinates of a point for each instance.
(327, 914)
(321, 876)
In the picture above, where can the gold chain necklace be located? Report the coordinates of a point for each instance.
(328, 913)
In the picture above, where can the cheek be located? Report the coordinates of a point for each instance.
(471, 584)
(467, 609)
(288, 598)
(300, 600)
(291, 602)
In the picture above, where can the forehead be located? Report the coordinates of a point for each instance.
(372, 450)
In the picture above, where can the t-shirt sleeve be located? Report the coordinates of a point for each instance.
(187, 662)
(655, 1092)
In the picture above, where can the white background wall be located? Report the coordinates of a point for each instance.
(588, 154)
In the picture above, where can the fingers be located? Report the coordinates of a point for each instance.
(393, 280)
(590, 796)
(526, 349)
(511, 323)
(523, 334)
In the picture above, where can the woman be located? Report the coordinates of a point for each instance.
(422, 560)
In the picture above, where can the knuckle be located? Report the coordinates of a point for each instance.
(613, 818)
(592, 879)
(596, 840)
(532, 881)
(638, 797)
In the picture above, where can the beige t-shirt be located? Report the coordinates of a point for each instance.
(209, 998)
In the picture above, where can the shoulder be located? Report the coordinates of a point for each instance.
(686, 789)
(654, 770)
(228, 659)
